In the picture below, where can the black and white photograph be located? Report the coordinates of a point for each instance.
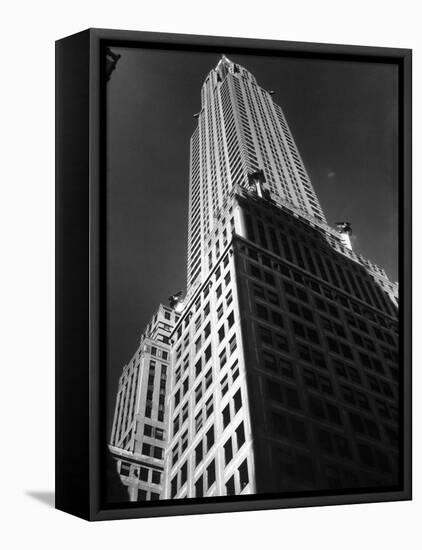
(210, 237)
(252, 276)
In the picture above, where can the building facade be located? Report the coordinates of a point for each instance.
(139, 434)
(241, 133)
(283, 373)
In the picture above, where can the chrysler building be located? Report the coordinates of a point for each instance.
(281, 358)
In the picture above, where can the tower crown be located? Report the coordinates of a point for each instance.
(241, 131)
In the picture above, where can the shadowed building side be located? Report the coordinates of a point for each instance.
(321, 354)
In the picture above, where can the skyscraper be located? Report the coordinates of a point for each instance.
(283, 355)
(242, 135)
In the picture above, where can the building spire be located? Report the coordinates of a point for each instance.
(223, 62)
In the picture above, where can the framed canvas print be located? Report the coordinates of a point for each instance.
(233, 274)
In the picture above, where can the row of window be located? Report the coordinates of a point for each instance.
(147, 495)
(150, 391)
(147, 475)
(158, 352)
(309, 354)
(153, 431)
(351, 278)
(326, 306)
(314, 380)
(330, 325)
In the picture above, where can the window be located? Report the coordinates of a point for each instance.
(255, 271)
(184, 412)
(286, 368)
(232, 344)
(243, 474)
(184, 474)
(333, 413)
(317, 406)
(198, 367)
(156, 477)
(262, 312)
(230, 320)
(237, 401)
(221, 333)
(298, 430)
(240, 435)
(356, 422)
(324, 441)
(235, 370)
(272, 298)
(198, 343)
(142, 495)
(259, 291)
(299, 329)
(198, 393)
(269, 361)
(310, 378)
(266, 335)
(143, 474)
(277, 318)
(292, 398)
(230, 487)
(365, 455)
(198, 421)
(209, 407)
(158, 452)
(175, 454)
(281, 342)
(208, 379)
(125, 469)
(210, 438)
(174, 486)
(199, 453)
(280, 425)
(210, 474)
(228, 451)
(226, 415)
(199, 487)
(224, 385)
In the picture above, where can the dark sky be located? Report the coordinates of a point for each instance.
(343, 116)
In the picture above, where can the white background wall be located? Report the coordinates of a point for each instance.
(27, 272)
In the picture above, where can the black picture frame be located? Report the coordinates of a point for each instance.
(80, 269)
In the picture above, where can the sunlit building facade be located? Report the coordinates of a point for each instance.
(139, 433)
